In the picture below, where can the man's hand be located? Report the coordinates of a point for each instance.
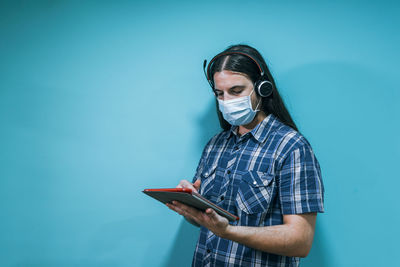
(186, 184)
(195, 187)
(209, 219)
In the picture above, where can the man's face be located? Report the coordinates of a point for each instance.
(229, 85)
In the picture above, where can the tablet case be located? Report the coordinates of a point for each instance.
(188, 197)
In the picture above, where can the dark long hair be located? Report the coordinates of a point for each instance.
(243, 64)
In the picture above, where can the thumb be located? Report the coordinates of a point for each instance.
(197, 184)
(212, 214)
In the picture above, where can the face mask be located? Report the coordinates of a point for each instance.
(238, 111)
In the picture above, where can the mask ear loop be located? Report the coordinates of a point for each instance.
(257, 104)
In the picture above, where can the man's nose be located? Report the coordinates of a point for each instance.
(227, 97)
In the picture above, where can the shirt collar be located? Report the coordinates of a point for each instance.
(261, 131)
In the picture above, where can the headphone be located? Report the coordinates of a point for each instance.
(262, 86)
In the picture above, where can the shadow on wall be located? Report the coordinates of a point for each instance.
(183, 247)
(208, 126)
(319, 254)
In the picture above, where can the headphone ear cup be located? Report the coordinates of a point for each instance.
(264, 88)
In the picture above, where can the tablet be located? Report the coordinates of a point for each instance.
(188, 197)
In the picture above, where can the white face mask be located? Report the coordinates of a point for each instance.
(238, 111)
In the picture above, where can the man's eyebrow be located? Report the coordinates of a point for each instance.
(232, 88)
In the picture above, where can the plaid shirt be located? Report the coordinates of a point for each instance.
(260, 176)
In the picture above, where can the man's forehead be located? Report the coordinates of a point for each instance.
(230, 74)
(226, 80)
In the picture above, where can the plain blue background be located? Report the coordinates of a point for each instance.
(99, 100)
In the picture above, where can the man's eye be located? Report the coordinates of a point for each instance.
(236, 92)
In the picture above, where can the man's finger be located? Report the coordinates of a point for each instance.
(185, 184)
(211, 213)
(197, 184)
(176, 208)
(185, 208)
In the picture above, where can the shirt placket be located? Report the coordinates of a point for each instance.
(231, 156)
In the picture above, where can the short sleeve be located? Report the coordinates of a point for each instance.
(199, 168)
(202, 161)
(301, 189)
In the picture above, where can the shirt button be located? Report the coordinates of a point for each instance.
(229, 171)
(222, 198)
(208, 250)
(255, 183)
(206, 174)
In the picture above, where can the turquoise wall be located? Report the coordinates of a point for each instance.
(99, 100)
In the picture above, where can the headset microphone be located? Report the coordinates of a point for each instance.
(204, 68)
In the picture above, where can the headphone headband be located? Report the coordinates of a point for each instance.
(230, 53)
(263, 86)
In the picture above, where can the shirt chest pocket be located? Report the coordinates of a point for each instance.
(207, 177)
(255, 192)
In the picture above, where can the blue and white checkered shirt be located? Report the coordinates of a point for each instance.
(260, 176)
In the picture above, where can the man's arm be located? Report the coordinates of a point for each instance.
(293, 238)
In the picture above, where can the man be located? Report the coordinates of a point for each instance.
(259, 168)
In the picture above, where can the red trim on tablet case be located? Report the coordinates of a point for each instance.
(179, 190)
